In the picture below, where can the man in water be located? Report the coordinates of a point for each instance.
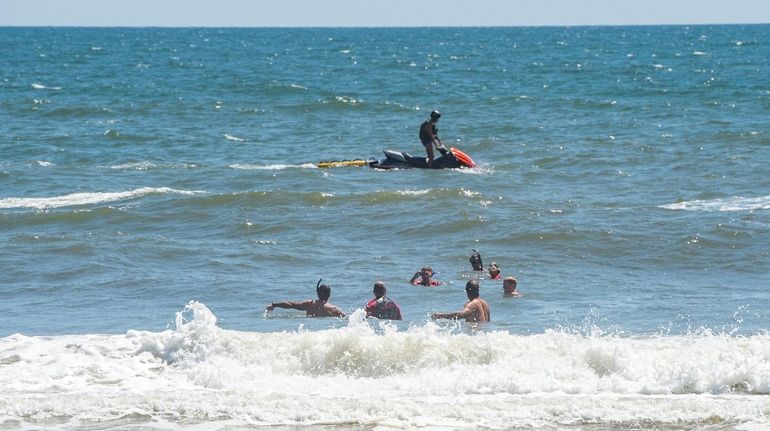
(476, 309)
(313, 308)
(381, 306)
(509, 287)
(429, 135)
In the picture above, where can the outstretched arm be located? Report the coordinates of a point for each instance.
(288, 304)
(456, 315)
(466, 312)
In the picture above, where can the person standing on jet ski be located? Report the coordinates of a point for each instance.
(429, 136)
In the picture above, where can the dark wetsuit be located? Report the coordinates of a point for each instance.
(383, 308)
(428, 132)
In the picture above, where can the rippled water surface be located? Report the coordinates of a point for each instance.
(622, 180)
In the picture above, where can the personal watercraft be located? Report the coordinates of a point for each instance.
(449, 159)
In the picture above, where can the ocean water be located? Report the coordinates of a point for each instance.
(158, 189)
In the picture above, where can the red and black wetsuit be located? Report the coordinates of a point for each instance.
(383, 308)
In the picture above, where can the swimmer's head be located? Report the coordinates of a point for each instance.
(509, 286)
(472, 288)
(379, 289)
(324, 292)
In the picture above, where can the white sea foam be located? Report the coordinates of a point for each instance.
(414, 192)
(139, 166)
(38, 86)
(737, 203)
(45, 164)
(479, 169)
(275, 167)
(347, 100)
(370, 372)
(75, 199)
(233, 138)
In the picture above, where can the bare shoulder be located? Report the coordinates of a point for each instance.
(303, 305)
(333, 310)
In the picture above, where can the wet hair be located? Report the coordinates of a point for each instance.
(379, 287)
(324, 292)
(472, 288)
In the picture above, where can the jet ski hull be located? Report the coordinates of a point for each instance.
(452, 159)
(449, 159)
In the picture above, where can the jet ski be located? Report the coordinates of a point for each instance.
(449, 159)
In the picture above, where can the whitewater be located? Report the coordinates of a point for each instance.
(373, 374)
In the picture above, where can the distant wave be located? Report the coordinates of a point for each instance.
(38, 86)
(412, 192)
(147, 165)
(271, 198)
(394, 196)
(731, 204)
(139, 166)
(274, 167)
(74, 199)
(233, 138)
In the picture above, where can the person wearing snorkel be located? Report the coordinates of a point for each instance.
(320, 307)
(424, 277)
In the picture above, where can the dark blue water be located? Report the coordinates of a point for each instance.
(623, 172)
(622, 180)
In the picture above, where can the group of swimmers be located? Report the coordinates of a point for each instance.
(382, 307)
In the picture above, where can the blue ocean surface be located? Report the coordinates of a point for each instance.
(159, 188)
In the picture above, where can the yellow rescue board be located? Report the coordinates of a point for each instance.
(340, 163)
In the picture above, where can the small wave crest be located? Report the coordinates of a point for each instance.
(273, 167)
(737, 203)
(39, 86)
(233, 138)
(139, 166)
(76, 199)
(146, 165)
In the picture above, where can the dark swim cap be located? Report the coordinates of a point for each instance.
(323, 291)
(435, 115)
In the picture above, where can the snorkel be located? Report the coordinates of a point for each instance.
(323, 291)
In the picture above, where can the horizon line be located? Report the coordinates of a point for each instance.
(324, 26)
